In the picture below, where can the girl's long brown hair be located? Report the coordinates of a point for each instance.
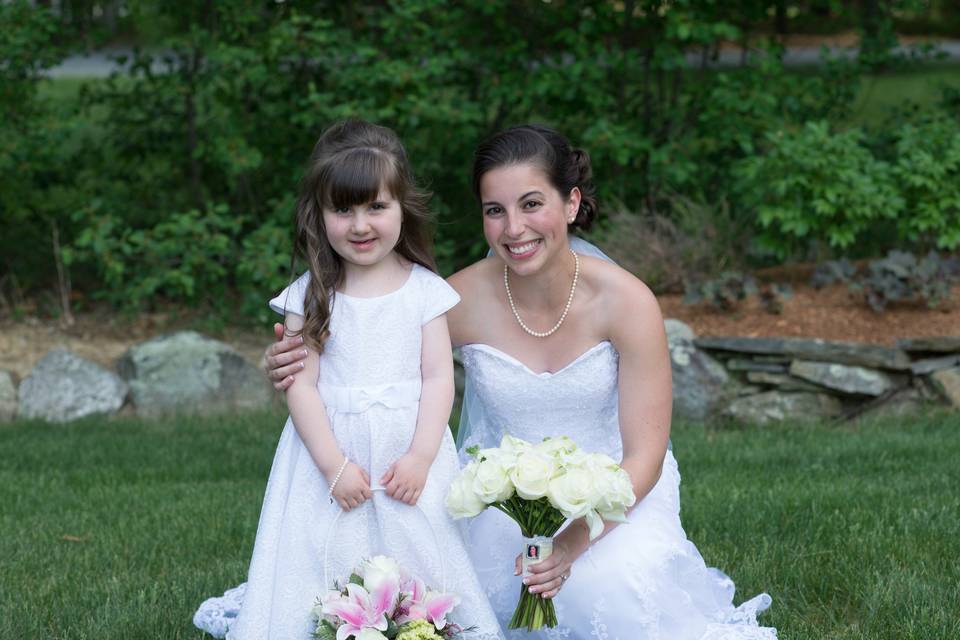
(349, 165)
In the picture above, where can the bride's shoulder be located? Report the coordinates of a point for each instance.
(470, 282)
(621, 294)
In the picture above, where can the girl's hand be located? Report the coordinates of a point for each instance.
(405, 478)
(353, 487)
(283, 358)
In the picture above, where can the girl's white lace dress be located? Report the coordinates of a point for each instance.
(642, 581)
(370, 383)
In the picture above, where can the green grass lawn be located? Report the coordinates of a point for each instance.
(119, 528)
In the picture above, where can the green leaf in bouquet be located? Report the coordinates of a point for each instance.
(474, 450)
(325, 630)
(355, 579)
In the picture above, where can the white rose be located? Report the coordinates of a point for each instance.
(614, 492)
(378, 570)
(491, 483)
(532, 473)
(559, 447)
(515, 446)
(462, 501)
(573, 492)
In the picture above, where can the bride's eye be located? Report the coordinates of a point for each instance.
(493, 211)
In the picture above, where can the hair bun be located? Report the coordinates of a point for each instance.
(587, 213)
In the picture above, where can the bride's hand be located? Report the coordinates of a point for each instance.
(283, 358)
(547, 576)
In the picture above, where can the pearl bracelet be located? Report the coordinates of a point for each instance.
(333, 484)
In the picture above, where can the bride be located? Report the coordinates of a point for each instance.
(559, 342)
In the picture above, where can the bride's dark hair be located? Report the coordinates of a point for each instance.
(549, 150)
(351, 162)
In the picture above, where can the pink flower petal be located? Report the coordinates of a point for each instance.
(438, 605)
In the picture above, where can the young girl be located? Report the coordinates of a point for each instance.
(367, 435)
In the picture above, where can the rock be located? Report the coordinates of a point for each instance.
(929, 365)
(947, 383)
(63, 387)
(852, 353)
(8, 396)
(774, 406)
(782, 381)
(748, 364)
(188, 372)
(939, 344)
(677, 330)
(903, 403)
(848, 379)
(700, 383)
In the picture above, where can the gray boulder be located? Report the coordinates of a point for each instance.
(63, 387)
(8, 397)
(845, 378)
(853, 353)
(774, 406)
(190, 373)
(700, 383)
(947, 382)
(935, 344)
(902, 404)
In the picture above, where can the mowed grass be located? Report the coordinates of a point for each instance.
(119, 528)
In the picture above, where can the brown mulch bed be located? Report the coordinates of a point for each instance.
(831, 314)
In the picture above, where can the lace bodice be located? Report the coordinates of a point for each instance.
(362, 328)
(580, 400)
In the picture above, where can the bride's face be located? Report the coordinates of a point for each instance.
(524, 217)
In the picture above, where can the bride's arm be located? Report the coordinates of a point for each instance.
(635, 327)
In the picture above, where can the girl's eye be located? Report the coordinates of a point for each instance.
(493, 211)
(342, 211)
(531, 204)
(378, 206)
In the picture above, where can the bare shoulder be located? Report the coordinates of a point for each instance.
(475, 286)
(629, 307)
(471, 282)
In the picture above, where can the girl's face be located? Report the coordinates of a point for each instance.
(524, 217)
(365, 234)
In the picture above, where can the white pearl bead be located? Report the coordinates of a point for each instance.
(566, 309)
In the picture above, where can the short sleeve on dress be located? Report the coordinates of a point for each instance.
(290, 300)
(438, 296)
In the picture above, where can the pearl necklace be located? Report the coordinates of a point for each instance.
(566, 309)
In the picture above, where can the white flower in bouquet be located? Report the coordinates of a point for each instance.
(462, 500)
(532, 474)
(491, 483)
(377, 570)
(515, 446)
(370, 634)
(559, 447)
(573, 492)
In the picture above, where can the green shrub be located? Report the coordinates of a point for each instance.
(926, 168)
(817, 187)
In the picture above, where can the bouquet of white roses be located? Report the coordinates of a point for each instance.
(382, 601)
(540, 486)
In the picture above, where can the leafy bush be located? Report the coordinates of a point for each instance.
(927, 170)
(818, 187)
(832, 272)
(901, 277)
(724, 292)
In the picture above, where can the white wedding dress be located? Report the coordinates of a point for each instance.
(642, 581)
(370, 383)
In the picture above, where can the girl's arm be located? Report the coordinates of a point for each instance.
(312, 425)
(637, 332)
(406, 477)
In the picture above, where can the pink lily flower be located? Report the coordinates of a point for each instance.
(434, 608)
(361, 610)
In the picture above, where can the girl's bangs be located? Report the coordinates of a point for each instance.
(355, 178)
